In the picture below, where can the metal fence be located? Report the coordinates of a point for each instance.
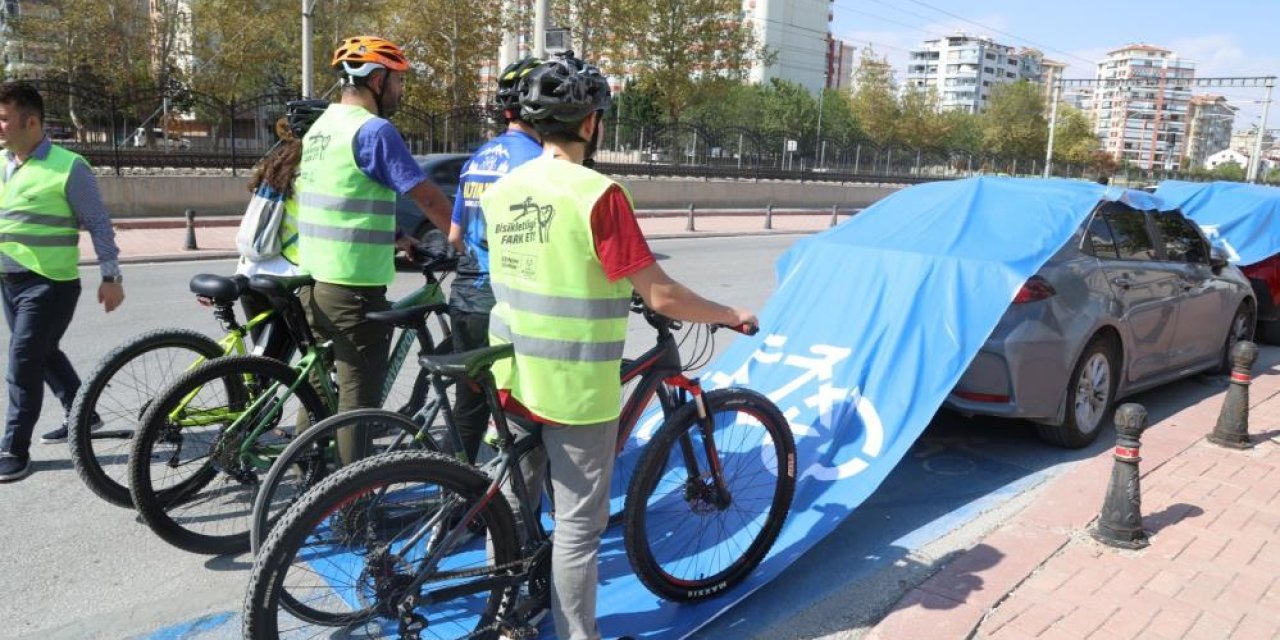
(183, 129)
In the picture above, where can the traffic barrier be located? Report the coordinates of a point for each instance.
(190, 244)
(1120, 523)
(1232, 429)
(688, 225)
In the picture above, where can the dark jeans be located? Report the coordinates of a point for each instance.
(470, 412)
(38, 311)
(360, 351)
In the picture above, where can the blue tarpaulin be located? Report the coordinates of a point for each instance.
(1242, 218)
(872, 324)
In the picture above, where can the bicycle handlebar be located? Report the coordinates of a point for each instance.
(660, 322)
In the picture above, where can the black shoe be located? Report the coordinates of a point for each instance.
(59, 435)
(14, 468)
(56, 436)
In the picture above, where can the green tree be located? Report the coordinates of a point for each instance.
(1074, 139)
(920, 123)
(874, 103)
(963, 131)
(1014, 124)
(1229, 171)
(673, 43)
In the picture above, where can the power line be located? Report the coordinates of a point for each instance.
(1005, 33)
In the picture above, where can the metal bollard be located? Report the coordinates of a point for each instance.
(768, 216)
(190, 244)
(1232, 429)
(835, 210)
(688, 224)
(1120, 523)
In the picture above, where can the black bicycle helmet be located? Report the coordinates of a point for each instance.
(560, 93)
(301, 114)
(511, 81)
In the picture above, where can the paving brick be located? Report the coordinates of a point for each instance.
(943, 617)
(1257, 627)
(988, 571)
(1170, 581)
(1129, 580)
(1241, 548)
(1005, 633)
(1212, 626)
(1204, 548)
(1086, 582)
(1230, 518)
(1039, 618)
(1132, 618)
(1086, 619)
(1047, 579)
(1171, 542)
(1202, 590)
(1172, 621)
(1009, 609)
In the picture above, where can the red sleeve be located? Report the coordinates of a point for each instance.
(620, 243)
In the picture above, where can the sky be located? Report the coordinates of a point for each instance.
(1224, 38)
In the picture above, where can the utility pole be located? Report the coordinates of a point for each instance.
(540, 28)
(822, 94)
(1053, 126)
(307, 7)
(1256, 161)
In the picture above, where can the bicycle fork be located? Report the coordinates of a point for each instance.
(698, 492)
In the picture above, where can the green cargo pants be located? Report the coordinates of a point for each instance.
(360, 351)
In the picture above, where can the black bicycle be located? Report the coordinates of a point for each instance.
(416, 544)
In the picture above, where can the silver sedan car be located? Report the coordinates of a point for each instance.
(1135, 299)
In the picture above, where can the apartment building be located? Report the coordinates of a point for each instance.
(1209, 124)
(797, 31)
(1051, 72)
(1140, 106)
(963, 69)
(839, 64)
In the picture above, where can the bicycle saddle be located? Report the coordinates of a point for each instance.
(408, 317)
(468, 363)
(279, 286)
(217, 288)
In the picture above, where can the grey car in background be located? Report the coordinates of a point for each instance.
(1135, 299)
(444, 170)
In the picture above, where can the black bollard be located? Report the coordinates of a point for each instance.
(768, 216)
(835, 210)
(1120, 523)
(190, 244)
(688, 224)
(1232, 429)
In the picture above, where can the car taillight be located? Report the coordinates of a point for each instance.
(1036, 288)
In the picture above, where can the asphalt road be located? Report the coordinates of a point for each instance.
(77, 567)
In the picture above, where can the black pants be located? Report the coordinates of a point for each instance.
(38, 311)
(470, 413)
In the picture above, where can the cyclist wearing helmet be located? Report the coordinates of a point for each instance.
(354, 162)
(471, 297)
(272, 185)
(565, 253)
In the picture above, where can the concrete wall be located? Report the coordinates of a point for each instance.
(168, 196)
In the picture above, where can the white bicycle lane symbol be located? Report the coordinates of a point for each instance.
(816, 372)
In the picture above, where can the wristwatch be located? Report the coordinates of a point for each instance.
(116, 279)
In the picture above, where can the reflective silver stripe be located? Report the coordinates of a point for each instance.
(345, 234)
(44, 219)
(556, 349)
(32, 240)
(346, 205)
(561, 306)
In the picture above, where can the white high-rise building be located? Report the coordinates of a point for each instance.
(796, 31)
(964, 68)
(1209, 127)
(1143, 124)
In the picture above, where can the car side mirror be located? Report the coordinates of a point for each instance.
(1218, 258)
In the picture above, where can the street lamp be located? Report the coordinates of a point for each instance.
(822, 94)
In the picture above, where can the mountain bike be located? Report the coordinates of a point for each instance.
(204, 444)
(416, 544)
(112, 399)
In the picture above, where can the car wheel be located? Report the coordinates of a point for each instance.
(1241, 329)
(1091, 392)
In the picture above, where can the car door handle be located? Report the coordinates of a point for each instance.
(1122, 281)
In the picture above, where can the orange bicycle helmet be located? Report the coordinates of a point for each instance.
(362, 55)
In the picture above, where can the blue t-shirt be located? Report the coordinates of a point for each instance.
(383, 156)
(471, 290)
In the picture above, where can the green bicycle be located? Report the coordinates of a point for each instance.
(208, 438)
(106, 410)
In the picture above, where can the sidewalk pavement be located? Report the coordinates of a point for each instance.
(1212, 569)
(162, 240)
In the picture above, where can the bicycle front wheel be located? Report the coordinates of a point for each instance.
(112, 399)
(194, 467)
(311, 457)
(350, 549)
(688, 536)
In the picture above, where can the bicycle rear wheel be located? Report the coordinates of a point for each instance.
(348, 550)
(112, 399)
(193, 478)
(685, 539)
